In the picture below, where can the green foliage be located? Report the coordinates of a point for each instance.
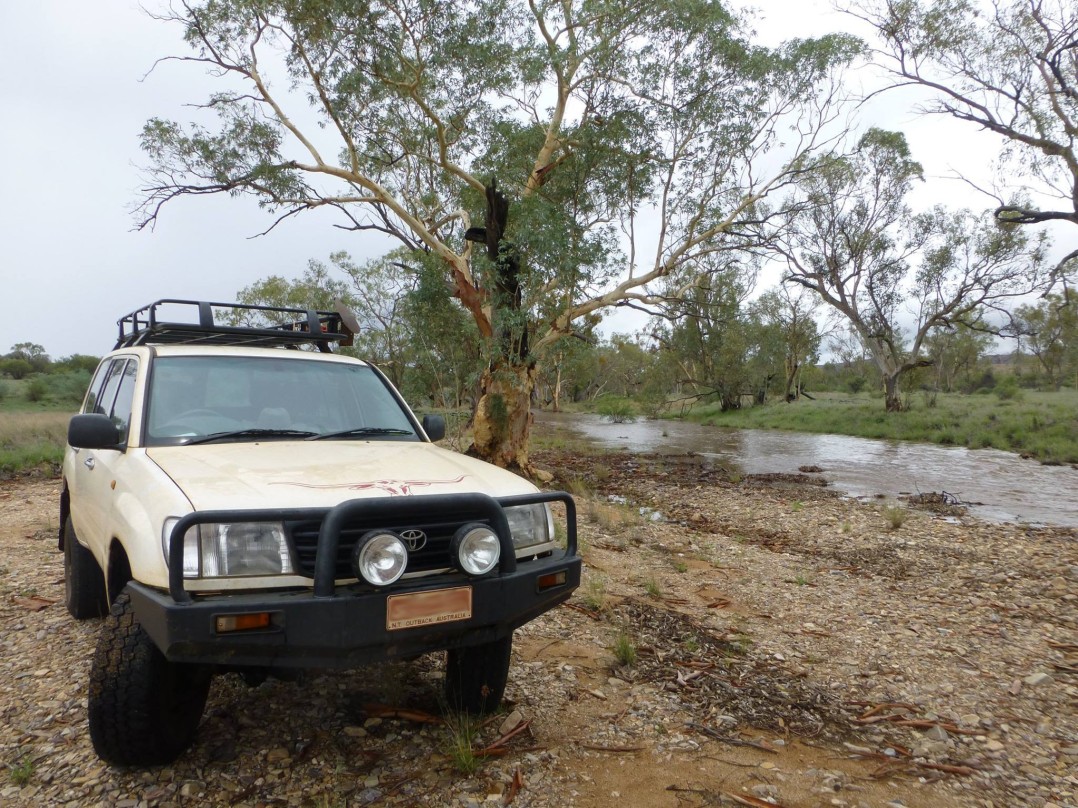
(615, 409)
(1007, 390)
(710, 332)
(22, 772)
(625, 650)
(68, 387)
(16, 368)
(76, 362)
(37, 389)
(58, 388)
(1051, 334)
(461, 732)
(568, 368)
(32, 353)
(957, 354)
(409, 326)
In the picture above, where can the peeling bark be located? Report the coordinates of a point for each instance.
(503, 418)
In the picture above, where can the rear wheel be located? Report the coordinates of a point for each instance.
(475, 676)
(84, 583)
(143, 709)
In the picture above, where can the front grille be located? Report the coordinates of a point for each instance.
(434, 555)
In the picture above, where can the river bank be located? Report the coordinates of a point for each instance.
(1035, 424)
(791, 647)
(993, 485)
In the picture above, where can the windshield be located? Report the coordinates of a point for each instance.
(239, 398)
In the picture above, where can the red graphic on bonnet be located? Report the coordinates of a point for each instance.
(395, 488)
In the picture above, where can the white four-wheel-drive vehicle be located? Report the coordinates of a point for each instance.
(246, 507)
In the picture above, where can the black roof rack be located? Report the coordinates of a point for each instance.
(302, 326)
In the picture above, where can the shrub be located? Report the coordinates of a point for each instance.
(68, 387)
(895, 516)
(1008, 390)
(987, 381)
(16, 368)
(616, 410)
(82, 362)
(37, 390)
(653, 406)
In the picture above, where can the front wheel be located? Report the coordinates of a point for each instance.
(84, 583)
(475, 676)
(143, 709)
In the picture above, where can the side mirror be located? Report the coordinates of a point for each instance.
(94, 431)
(434, 426)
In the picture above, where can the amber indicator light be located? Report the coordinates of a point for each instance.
(242, 622)
(551, 580)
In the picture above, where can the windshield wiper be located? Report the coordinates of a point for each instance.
(251, 433)
(359, 432)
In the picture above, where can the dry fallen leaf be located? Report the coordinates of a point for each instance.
(34, 603)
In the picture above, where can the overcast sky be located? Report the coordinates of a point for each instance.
(73, 99)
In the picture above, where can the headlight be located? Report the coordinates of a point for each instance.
(476, 549)
(380, 557)
(232, 549)
(529, 524)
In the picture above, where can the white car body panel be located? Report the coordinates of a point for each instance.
(298, 474)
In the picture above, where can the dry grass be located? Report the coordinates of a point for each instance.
(895, 515)
(610, 516)
(31, 440)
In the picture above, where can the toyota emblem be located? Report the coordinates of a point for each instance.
(415, 539)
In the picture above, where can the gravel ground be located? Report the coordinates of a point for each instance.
(792, 648)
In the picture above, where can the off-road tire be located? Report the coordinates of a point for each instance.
(475, 676)
(143, 709)
(84, 582)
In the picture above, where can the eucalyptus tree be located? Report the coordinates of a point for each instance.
(554, 158)
(378, 297)
(1008, 67)
(315, 288)
(957, 352)
(408, 325)
(790, 311)
(893, 275)
(569, 364)
(1050, 331)
(708, 332)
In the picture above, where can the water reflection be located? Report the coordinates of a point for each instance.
(1004, 486)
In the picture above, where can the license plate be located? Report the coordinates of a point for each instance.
(428, 608)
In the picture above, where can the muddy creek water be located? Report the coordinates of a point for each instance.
(1001, 486)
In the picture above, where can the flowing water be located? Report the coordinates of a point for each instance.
(1000, 486)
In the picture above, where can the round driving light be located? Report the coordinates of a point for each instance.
(476, 549)
(380, 558)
